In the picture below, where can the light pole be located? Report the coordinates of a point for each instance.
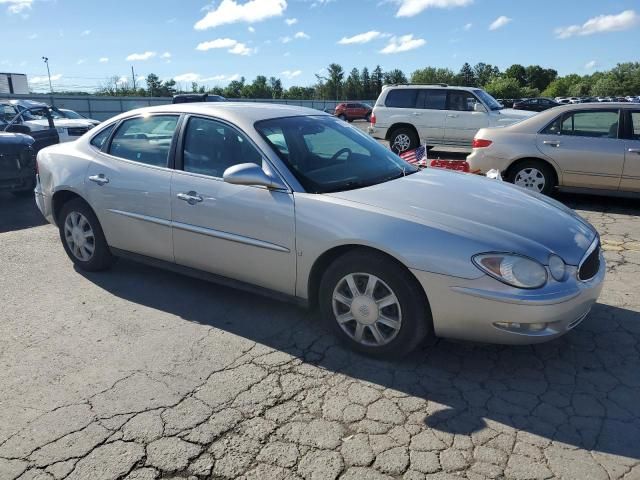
(46, 61)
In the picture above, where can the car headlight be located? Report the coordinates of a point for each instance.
(557, 268)
(514, 270)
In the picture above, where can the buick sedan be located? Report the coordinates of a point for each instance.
(298, 204)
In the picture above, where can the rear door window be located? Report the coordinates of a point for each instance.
(401, 98)
(595, 123)
(432, 99)
(145, 140)
(635, 125)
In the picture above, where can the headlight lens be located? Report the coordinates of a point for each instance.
(514, 270)
(557, 268)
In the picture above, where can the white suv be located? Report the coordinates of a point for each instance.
(436, 115)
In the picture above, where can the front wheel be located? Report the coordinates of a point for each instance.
(82, 237)
(374, 305)
(403, 139)
(533, 175)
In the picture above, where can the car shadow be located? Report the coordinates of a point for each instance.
(600, 204)
(17, 213)
(581, 390)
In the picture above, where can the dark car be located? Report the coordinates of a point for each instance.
(535, 104)
(19, 145)
(353, 111)
(197, 98)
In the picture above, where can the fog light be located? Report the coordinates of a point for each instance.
(521, 327)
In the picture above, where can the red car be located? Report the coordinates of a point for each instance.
(353, 111)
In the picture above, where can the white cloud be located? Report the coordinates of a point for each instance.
(251, 29)
(140, 56)
(33, 36)
(467, 27)
(285, 39)
(403, 44)
(591, 65)
(230, 11)
(81, 61)
(103, 59)
(410, 8)
(166, 55)
(17, 6)
(291, 21)
(233, 78)
(360, 38)
(187, 77)
(44, 79)
(301, 35)
(123, 80)
(500, 22)
(231, 45)
(85, 33)
(600, 24)
(291, 74)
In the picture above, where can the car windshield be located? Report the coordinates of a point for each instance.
(71, 114)
(327, 155)
(491, 102)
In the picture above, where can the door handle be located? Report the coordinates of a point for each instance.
(100, 179)
(634, 150)
(452, 115)
(551, 143)
(190, 197)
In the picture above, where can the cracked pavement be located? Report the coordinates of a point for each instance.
(138, 373)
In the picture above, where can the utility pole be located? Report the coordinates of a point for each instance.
(46, 61)
(133, 77)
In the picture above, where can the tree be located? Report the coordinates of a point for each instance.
(395, 76)
(518, 73)
(299, 93)
(466, 76)
(334, 82)
(365, 81)
(431, 75)
(154, 85)
(377, 80)
(606, 86)
(485, 72)
(276, 87)
(504, 87)
(538, 77)
(234, 89)
(259, 88)
(353, 86)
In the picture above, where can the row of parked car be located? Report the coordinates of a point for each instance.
(582, 146)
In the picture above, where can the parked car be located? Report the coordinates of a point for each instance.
(44, 135)
(535, 104)
(197, 97)
(411, 115)
(586, 147)
(18, 149)
(295, 202)
(353, 111)
(33, 116)
(73, 115)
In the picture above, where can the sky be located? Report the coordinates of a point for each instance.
(213, 43)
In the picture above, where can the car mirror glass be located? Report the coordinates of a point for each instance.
(478, 107)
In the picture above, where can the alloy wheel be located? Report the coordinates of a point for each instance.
(79, 236)
(531, 179)
(401, 143)
(366, 309)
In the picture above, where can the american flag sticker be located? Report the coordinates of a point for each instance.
(417, 156)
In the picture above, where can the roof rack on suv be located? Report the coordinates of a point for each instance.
(416, 84)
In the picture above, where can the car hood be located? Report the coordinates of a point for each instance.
(514, 114)
(496, 215)
(14, 142)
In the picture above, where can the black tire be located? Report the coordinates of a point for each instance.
(399, 137)
(529, 172)
(368, 118)
(101, 257)
(416, 322)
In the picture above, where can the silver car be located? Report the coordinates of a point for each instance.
(589, 147)
(294, 202)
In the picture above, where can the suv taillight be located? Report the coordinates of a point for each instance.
(480, 143)
(373, 119)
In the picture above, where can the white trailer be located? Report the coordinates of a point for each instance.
(14, 83)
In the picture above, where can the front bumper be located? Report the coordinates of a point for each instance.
(470, 309)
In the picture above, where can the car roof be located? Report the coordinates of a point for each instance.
(240, 113)
(434, 86)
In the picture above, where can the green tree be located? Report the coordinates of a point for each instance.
(365, 81)
(485, 72)
(431, 75)
(353, 86)
(276, 87)
(395, 76)
(377, 80)
(154, 85)
(234, 89)
(538, 77)
(466, 76)
(517, 72)
(504, 87)
(335, 78)
(605, 86)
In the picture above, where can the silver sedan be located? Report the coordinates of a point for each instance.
(589, 147)
(295, 203)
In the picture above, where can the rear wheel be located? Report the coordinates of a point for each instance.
(374, 305)
(82, 237)
(533, 175)
(403, 139)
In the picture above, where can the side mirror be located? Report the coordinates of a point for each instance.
(250, 174)
(478, 107)
(18, 128)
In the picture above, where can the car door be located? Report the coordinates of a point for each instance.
(585, 145)
(431, 104)
(129, 184)
(630, 180)
(241, 232)
(462, 121)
